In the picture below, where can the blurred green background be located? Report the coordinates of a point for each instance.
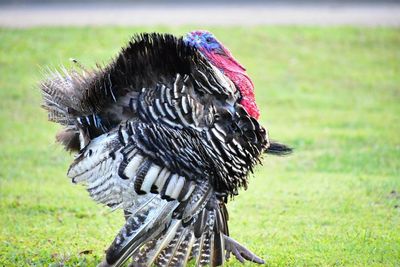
(332, 93)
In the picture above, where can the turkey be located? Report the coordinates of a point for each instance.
(168, 133)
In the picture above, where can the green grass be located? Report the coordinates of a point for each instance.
(331, 93)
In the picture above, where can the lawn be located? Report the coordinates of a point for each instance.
(331, 93)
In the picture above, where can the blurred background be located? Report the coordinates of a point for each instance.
(25, 13)
(327, 79)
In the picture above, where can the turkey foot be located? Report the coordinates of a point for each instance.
(241, 253)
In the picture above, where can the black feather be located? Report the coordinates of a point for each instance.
(278, 149)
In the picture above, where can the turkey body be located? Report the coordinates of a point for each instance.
(161, 134)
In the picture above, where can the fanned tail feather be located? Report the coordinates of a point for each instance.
(63, 95)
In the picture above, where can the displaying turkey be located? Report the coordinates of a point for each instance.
(168, 132)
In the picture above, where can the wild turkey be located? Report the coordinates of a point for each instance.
(168, 132)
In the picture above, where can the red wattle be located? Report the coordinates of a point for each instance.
(237, 74)
(244, 84)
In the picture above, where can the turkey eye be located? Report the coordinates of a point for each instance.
(208, 39)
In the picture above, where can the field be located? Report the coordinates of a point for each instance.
(331, 93)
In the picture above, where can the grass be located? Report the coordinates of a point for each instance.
(331, 93)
